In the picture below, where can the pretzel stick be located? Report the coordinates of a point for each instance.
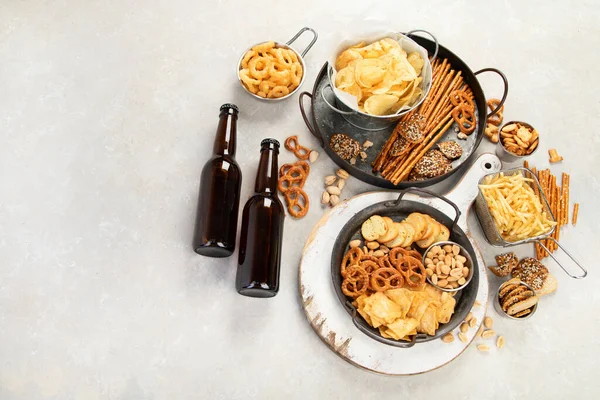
(446, 93)
(437, 82)
(565, 187)
(438, 95)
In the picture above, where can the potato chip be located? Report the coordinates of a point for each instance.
(345, 57)
(444, 313)
(380, 104)
(402, 327)
(416, 61)
(402, 297)
(380, 68)
(429, 322)
(381, 309)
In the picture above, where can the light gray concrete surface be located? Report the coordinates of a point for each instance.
(107, 112)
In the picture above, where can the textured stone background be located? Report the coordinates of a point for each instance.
(107, 113)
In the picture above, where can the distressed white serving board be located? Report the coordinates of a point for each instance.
(332, 322)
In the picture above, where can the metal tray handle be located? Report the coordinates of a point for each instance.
(504, 79)
(307, 122)
(437, 44)
(396, 202)
(568, 254)
(366, 331)
(300, 32)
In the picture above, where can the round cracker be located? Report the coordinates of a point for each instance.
(368, 231)
(418, 222)
(392, 231)
(444, 234)
(410, 233)
(379, 225)
(400, 237)
(430, 223)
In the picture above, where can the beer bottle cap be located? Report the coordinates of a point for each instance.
(229, 105)
(269, 141)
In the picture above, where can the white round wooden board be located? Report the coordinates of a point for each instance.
(332, 322)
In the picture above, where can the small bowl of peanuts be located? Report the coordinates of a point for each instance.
(448, 265)
(517, 140)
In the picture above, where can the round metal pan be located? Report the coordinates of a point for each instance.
(324, 122)
(398, 210)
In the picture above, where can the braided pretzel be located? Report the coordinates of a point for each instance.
(497, 118)
(352, 257)
(459, 97)
(294, 177)
(294, 146)
(465, 118)
(297, 201)
(384, 279)
(286, 167)
(412, 270)
(356, 281)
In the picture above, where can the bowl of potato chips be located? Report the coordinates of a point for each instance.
(273, 71)
(375, 84)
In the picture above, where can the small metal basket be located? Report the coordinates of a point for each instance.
(491, 232)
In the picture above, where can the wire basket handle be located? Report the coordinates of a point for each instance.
(568, 254)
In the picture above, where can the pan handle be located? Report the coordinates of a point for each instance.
(300, 32)
(437, 44)
(307, 122)
(366, 331)
(396, 203)
(568, 254)
(504, 79)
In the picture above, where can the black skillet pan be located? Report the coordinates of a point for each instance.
(324, 122)
(399, 210)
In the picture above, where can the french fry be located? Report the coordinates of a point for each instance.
(575, 213)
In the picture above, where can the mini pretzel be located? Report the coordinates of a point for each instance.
(385, 262)
(384, 279)
(352, 257)
(497, 118)
(294, 177)
(412, 270)
(398, 252)
(297, 202)
(286, 167)
(465, 118)
(369, 266)
(366, 257)
(356, 281)
(294, 146)
(459, 97)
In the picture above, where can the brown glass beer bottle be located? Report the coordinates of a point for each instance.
(262, 230)
(219, 198)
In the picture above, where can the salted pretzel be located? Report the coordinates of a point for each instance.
(294, 177)
(294, 146)
(383, 279)
(412, 270)
(352, 257)
(356, 281)
(465, 118)
(297, 201)
(459, 97)
(286, 167)
(498, 117)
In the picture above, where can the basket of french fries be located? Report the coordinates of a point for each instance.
(512, 210)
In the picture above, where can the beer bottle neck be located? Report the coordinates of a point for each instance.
(266, 177)
(225, 140)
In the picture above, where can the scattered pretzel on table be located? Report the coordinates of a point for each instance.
(297, 201)
(292, 178)
(498, 117)
(293, 145)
